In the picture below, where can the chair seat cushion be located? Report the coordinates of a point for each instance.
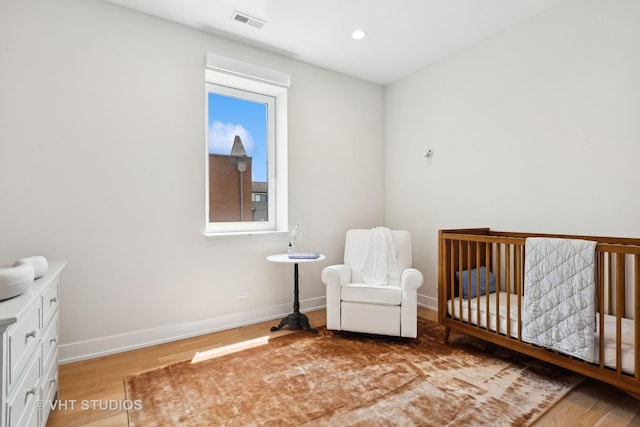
(373, 294)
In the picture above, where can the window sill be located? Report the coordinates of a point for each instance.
(213, 235)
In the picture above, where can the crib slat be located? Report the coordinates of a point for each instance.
(518, 284)
(636, 313)
(507, 285)
(452, 274)
(497, 269)
(620, 284)
(600, 267)
(610, 282)
(465, 250)
(477, 284)
(469, 282)
(487, 263)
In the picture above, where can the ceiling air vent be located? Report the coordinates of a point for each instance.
(246, 19)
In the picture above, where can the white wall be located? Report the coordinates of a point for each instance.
(101, 164)
(533, 129)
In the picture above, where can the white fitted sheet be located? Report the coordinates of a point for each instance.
(627, 326)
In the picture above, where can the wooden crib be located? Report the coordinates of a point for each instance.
(497, 316)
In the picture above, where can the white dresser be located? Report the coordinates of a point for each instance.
(29, 327)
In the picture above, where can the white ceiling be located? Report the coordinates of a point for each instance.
(403, 35)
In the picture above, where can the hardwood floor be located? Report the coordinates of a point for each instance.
(100, 380)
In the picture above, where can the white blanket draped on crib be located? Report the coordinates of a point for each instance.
(559, 295)
(379, 263)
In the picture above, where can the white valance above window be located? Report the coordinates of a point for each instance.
(244, 70)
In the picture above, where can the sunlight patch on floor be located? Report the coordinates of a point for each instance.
(227, 349)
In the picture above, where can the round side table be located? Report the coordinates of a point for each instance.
(295, 320)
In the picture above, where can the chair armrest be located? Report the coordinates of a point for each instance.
(336, 275)
(410, 282)
(411, 279)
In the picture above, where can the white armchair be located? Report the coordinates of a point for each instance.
(384, 309)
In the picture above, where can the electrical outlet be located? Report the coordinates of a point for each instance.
(243, 294)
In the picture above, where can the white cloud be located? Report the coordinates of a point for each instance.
(221, 137)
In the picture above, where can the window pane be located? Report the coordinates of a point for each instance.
(238, 153)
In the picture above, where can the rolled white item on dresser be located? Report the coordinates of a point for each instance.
(39, 263)
(15, 280)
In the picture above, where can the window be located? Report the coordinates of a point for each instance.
(246, 147)
(240, 127)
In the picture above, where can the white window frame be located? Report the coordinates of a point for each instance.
(229, 76)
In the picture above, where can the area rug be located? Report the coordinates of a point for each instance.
(342, 379)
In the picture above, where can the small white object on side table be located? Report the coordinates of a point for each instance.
(295, 320)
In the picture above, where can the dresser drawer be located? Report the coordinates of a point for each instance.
(21, 407)
(50, 339)
(50, 301)
(49, 384)
(32, 420)
(23, 339)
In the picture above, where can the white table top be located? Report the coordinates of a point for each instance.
(285, 259)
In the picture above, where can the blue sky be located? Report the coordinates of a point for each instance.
(233, 116)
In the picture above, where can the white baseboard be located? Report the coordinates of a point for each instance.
(428, 302)
(104, 346)
(89, 349)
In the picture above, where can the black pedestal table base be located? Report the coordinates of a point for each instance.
(295, 320)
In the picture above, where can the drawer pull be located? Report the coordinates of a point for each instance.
(53, 300)
(52, 381)
(32, 390)
(53, 340)
(31, 334)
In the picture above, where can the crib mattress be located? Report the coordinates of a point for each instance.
(627, 331)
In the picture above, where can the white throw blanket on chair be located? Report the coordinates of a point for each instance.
(380, 263)
(559, 295)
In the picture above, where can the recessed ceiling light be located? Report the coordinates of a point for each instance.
(358, 34)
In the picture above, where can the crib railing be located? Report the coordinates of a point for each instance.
(617, 273)
(502, 256)
(618, 293)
